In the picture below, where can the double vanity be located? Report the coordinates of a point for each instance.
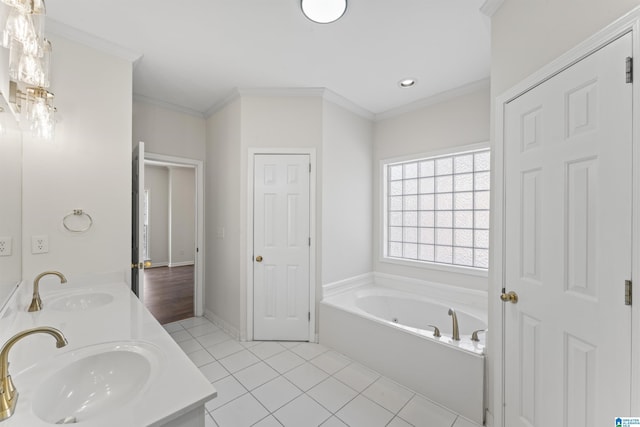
(94, 356)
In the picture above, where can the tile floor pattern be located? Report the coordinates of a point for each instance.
(295, 384)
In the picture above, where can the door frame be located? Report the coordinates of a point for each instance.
(311, 152)
(199, 250)
(629, 23)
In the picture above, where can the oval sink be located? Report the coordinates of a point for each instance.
(95, 385)
(80, 302)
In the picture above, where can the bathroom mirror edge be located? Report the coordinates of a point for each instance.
(11, 206)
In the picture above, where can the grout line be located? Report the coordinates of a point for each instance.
(351, 362)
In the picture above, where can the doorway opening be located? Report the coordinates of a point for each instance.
(170, 221)
(169, 232)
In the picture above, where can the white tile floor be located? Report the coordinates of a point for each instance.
(294, 384)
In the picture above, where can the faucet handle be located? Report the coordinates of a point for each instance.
(436, 331)
(474, 334)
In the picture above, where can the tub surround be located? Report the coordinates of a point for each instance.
(474, 301)
(176, 392)
(341, 286)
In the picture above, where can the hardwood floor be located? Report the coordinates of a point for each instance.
(168, 292)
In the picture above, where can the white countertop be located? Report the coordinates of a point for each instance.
(177, 388)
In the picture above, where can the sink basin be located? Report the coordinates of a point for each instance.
(95, 381)
(80, 301)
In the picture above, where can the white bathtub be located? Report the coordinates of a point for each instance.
(386, 329)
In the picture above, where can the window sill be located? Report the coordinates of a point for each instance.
(469, 271)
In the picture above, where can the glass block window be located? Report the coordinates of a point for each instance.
(438, 209)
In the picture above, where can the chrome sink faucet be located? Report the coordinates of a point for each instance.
(8, 392)
(456, 330)
(36, 302)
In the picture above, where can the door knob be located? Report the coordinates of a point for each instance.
(511, 297)
(147, 264)
(259, 258)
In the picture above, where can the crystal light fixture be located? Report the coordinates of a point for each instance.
(40, 112)
(29, 64)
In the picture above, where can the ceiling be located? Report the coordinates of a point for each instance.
(194, 53)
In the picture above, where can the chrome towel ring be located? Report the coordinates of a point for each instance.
(77, 213)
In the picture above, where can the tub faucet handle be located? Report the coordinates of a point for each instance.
(474, 335)
(436, 331)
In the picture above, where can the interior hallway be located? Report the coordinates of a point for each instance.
(168, 292)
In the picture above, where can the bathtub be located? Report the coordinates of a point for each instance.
(386, 330)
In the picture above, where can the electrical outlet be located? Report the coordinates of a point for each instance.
(5, 246)
(39, 244)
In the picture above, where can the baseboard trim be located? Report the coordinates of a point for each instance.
(222, 324)
(159, 264)
(181, 264)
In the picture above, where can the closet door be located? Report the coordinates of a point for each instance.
(281, 230)
(568, 176)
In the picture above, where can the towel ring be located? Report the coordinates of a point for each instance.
(77, 212)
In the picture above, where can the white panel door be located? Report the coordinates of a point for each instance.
(568, 176)
(281, 247)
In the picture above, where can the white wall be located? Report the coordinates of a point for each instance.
(529, 34)
(87, 166)
(347, 147)
(276, 122)
(156, 180)
(10, 203)
(248, 122)
(457, 122)
(169, 132)
(222, 215)
(183, 226)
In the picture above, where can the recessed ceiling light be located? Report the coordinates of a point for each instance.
(407, 82)
(323, 11)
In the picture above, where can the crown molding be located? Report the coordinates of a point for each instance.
(228, 99)
(327, 95)
(63, 30)
(341, 101)
(167, 105)
(489, 7)
(292, 92)
(435, 99)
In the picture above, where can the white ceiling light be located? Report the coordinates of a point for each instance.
(323, 11)
(407, 82)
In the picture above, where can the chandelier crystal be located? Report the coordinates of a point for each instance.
(22, 24)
